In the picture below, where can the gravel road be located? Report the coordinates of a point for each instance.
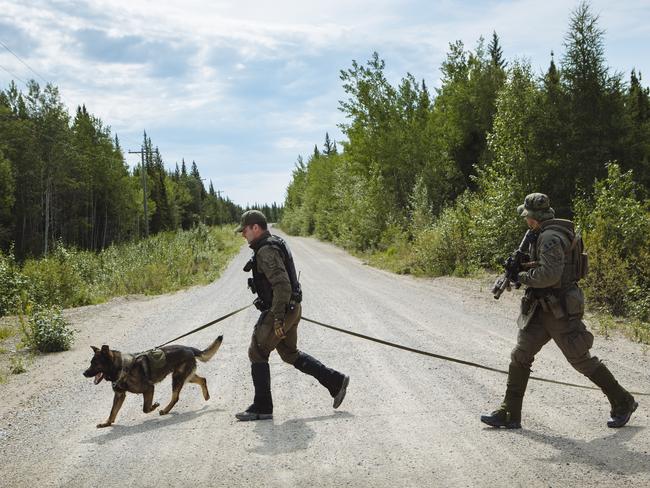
(408, 420)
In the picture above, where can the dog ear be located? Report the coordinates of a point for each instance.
(107, 351)
(95, 349)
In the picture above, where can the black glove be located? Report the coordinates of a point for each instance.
(258, 303)
(251, 285)
(513, 275)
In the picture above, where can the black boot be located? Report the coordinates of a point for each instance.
(622, 402)
(262, 407)
(509, 414)
(335, 382)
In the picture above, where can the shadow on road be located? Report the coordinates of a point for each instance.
(608, 453)
(118, 431)
(290, 436)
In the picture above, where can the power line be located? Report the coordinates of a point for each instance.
(19, 59)
(12, 74)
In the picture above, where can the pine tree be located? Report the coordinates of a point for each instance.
(595, 104)
(495, 52)
(637, 103)
(329, 147)
(551, 139)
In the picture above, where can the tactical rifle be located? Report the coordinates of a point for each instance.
(513, 265)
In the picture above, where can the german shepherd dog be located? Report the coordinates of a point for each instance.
(134, 374)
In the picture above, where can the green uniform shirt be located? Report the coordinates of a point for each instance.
(270, 264)
(549, 255)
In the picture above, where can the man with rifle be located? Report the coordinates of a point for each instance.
(549, 262)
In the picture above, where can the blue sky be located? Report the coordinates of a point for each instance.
(245, 87)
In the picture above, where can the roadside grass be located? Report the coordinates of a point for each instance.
(17, 365)
(12, 360)
(636, 330)
(164, 263)
(401, 258)
(396, 258)
(6, 332)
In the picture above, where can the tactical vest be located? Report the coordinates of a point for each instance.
(576, 263)
(261, 284)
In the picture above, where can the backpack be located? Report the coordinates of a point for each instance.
(576, 250)
(580, 257)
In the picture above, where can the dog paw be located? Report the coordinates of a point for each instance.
(155, 406)
(105, 424)
(162, 412)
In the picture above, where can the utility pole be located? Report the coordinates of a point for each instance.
(144, 189)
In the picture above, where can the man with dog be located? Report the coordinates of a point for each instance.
(552, 308)
(278, 298)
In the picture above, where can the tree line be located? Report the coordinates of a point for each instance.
(432, 179)
(64, 179)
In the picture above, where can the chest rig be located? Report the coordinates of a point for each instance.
(260, 284)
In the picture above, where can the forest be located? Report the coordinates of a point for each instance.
(427, 181)
(65, 180)
(75, 226)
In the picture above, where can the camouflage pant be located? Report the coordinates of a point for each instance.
(264, 339)
(572, 337)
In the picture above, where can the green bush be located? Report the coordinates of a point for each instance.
(57, 280)
(616, 232)
(444, 248)
(394, 251)
(364, 220)
(293, 221)
(480, 230)
(47, 331)
(17, 366)
(609, 282)
(12, 281)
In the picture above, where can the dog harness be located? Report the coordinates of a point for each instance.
(151, 360)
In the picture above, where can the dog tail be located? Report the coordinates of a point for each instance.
(212, 349)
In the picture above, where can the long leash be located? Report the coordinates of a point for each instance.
(451, 359)
(398, 346)
(208, 324)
